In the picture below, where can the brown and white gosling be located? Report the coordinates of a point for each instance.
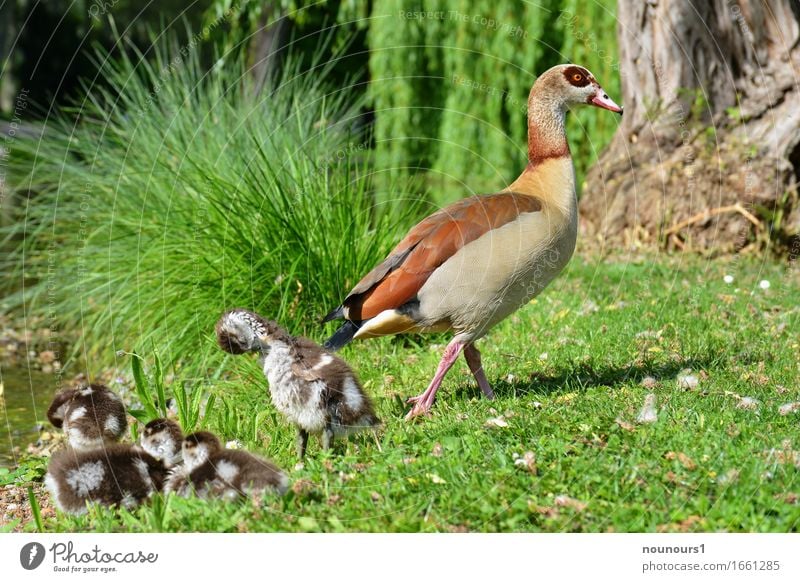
(91, 416)
(162, 438)
(316, 390)
(209, 470)
(116, 475)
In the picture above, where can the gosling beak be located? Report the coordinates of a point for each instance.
(602, 100)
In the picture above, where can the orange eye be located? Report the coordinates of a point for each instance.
(577, 77)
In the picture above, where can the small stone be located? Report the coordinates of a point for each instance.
(567, 501)
(625, 425)
(747, 403)
(527, 460)
(788, 408)
(687, 380)
(498, 422)
(436, 479)
(649, 382)
(648, 414)
(47, 357)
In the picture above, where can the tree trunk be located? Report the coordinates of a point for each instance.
(708, 152)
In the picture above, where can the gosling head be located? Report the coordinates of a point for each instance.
(162, 438)
(239, 330)
(198, 447)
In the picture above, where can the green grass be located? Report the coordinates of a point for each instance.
(705, 465)
(181, 192)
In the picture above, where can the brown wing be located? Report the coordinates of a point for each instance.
(430, 243)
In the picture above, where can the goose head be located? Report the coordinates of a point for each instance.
(567, 86)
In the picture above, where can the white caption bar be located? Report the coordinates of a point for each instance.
(354, 557)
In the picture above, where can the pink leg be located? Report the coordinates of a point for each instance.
(423, 402)
(473, 357)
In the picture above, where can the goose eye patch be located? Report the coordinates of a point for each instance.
(576, 76)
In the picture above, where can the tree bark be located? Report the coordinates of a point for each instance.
(708, 153)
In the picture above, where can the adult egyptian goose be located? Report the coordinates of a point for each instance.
(468, 266)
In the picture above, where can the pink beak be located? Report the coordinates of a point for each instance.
(600, 99)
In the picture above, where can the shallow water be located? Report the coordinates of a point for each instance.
(23, 407)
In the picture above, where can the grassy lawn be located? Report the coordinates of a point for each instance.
(569, 371)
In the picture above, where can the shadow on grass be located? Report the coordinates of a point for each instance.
(584, 376)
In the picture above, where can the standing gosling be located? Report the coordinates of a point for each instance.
(314, 389)
(90, 416)
(212, 471)
(115, 475)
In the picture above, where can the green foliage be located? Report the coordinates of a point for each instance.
(152, 393)
(31, 469)
(150, 390)
(179, 193)
(35, 510)
(707, 463)
(450, 86)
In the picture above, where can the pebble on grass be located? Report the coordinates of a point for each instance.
(648, 414)
(526, 460)
(788, 408)
(649, 382)
(688, 380)
(498, 422)
(567, 501)
(747, 403)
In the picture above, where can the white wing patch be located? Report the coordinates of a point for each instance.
(112, 425)
(79, 412)
(352, 394)
(227, 470)
(144, 473)
(326, 360)
(86, 478)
